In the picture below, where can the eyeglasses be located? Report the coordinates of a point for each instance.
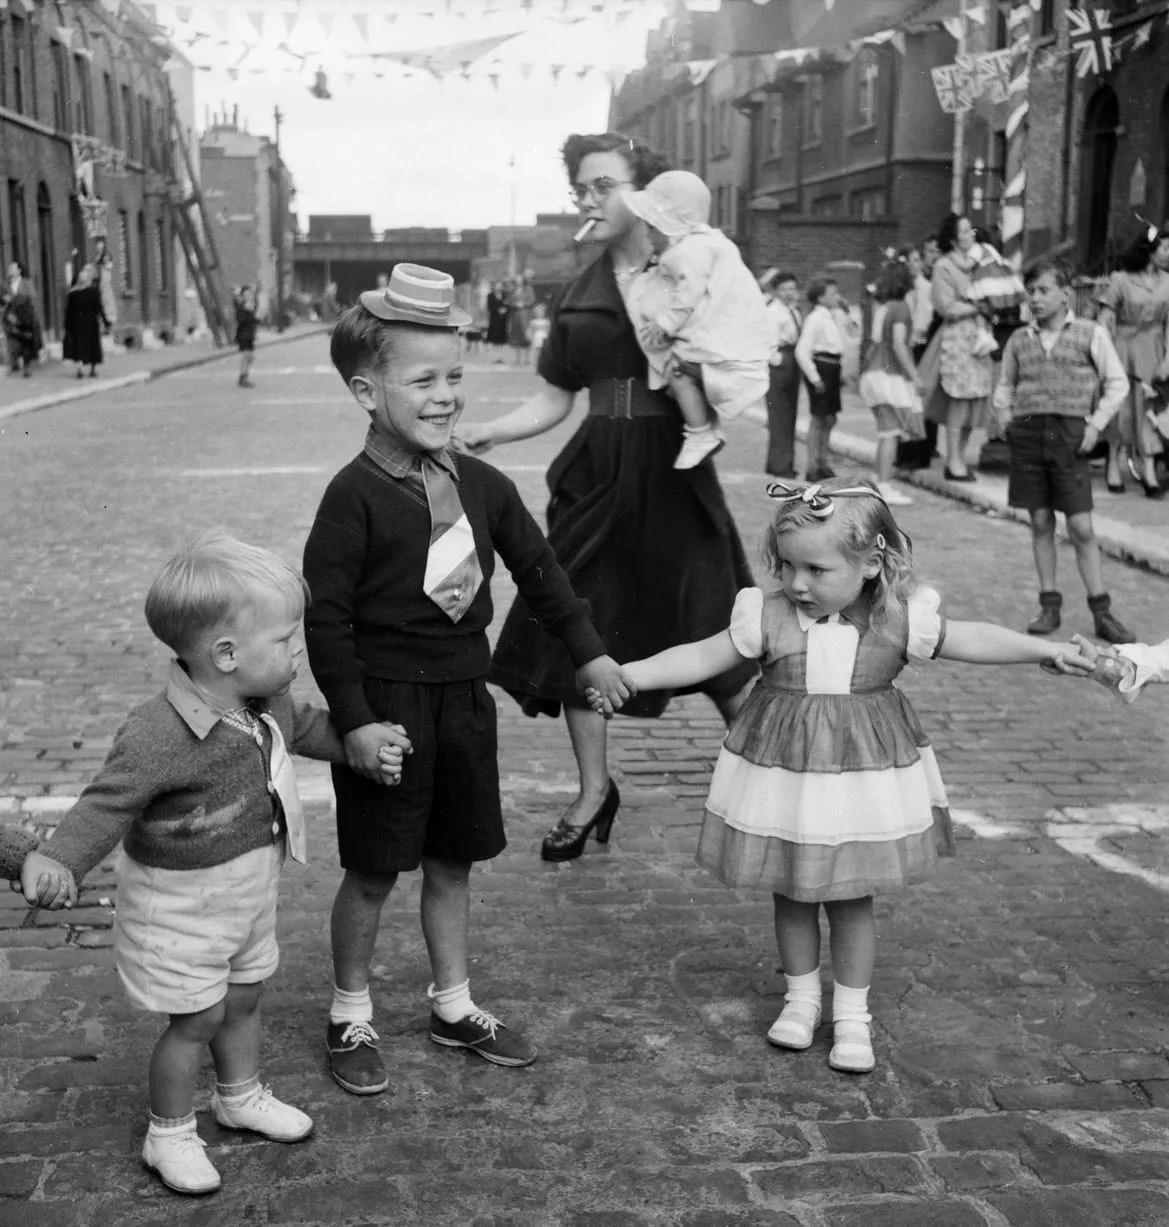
(600, 189)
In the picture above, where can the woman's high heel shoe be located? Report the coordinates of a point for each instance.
(566, 842)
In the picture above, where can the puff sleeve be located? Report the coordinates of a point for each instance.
(927, 625)
(746, 629)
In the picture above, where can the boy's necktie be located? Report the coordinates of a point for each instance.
(453, 574)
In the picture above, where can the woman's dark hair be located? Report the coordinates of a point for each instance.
(1139, 252)
(947, 235)
(645, 163)
(894, 281)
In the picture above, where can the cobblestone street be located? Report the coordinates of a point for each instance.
(1021, 997)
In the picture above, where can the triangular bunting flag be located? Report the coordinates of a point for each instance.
(256, 17)
(326, 20)
(183, 13)
(361, 21)
(290, 20)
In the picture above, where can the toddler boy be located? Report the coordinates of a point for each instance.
(400, 558)
(200, 789)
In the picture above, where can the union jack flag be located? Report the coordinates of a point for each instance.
(1090, 33)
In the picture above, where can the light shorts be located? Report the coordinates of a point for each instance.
(183, 935)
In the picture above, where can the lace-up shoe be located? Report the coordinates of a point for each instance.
(354, 1059)
(261, 1112)
(483, 1033)
(179, 1160)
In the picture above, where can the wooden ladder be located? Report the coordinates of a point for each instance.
(196, 234)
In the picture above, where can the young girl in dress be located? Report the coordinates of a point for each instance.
(826, 790)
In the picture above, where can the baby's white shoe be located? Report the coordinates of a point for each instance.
(177, 1156)
(852, 1047)
(795, 1025)
(261, 1112)
(697, 445)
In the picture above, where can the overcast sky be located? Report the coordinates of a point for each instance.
(394, 141)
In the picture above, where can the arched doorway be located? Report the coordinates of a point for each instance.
(1097, 159)
(48, 262)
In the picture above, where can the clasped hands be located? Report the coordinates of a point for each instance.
(376, 751)
(605, 685)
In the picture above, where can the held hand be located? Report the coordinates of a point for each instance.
(597, 701)
(1086, 648)
(46, 882)
(391, 754)
(653, 337)
(608, 679)
(363, 748)
(476, 437)
(1063, 658)
(1091, 435)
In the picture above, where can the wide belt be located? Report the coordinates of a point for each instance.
(626, 398)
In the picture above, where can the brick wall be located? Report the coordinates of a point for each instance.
(807, 245)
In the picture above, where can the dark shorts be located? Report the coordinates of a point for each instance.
(246, 344)
(1045, 469)
(825, 404)
(447, 805)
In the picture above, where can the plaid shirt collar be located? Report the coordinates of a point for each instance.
(402, 464)
(197, 712)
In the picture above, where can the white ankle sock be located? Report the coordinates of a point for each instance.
(803, 990)
(850, 1004)
(453, 1003)
(698, 430)
(237, 1092)
(171, 1126)
(350, 1007)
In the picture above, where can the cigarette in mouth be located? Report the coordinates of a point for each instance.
(580, 234)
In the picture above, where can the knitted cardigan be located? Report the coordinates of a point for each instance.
(179, 801)
(15, 845)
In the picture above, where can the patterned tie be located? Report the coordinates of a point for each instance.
(453, 575)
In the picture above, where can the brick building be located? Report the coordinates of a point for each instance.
(249, 192)
(86, 156)
(815, 155)
(1098, 153)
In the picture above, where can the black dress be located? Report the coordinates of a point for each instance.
(497, 316)
(652, 548)
(84, 318)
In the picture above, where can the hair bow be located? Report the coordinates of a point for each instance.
(818, 500)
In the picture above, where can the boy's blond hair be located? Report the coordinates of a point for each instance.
(210, 582)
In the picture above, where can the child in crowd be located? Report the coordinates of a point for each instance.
(888, 381)
(400, 559)
(698, 313)
(245, 334)
(1061, 383)
(826, 790)
(199, 788)
(34, 874)
(538, 329)
(819, 352)
(781, 294)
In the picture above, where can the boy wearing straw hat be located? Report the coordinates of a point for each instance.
(399, 560)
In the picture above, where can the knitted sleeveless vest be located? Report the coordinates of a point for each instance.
(1066, 382)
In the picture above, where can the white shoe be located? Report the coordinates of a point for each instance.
(263, 1113)
(795, 1026)
(179, 1160)
(889, 492)
(697, 446)
(852, 1048)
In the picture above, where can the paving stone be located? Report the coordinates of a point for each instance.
(1092, 1096)
(890, 1213)
(860, 1137)
(1089, 1207)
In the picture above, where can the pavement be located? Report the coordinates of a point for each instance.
(1021, 995)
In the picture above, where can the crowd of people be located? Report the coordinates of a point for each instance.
(826, 792)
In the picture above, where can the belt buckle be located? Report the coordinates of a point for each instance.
(623, 398)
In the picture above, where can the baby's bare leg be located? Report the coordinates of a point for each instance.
(687, 390)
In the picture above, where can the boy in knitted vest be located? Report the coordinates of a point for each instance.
(1061, 383)
(199, 788)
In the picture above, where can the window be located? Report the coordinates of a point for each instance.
(23, 95)
(689, 128)
(124, 252)
(160, 260)
(814, 110)
(146, 131)
(828, 206)
(18, 220)
(774, 125)
(1046, 17)
(869, 204)
(868, 70)
(59, 62)
(130, 145)
(113, 115)
(82, 96)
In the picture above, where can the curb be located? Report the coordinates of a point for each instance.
(1139, 547)
(93, 387)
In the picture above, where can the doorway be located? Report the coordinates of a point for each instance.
(1097, 162)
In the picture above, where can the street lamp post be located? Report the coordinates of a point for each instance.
(279, 227)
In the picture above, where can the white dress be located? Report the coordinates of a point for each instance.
(826, 787)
